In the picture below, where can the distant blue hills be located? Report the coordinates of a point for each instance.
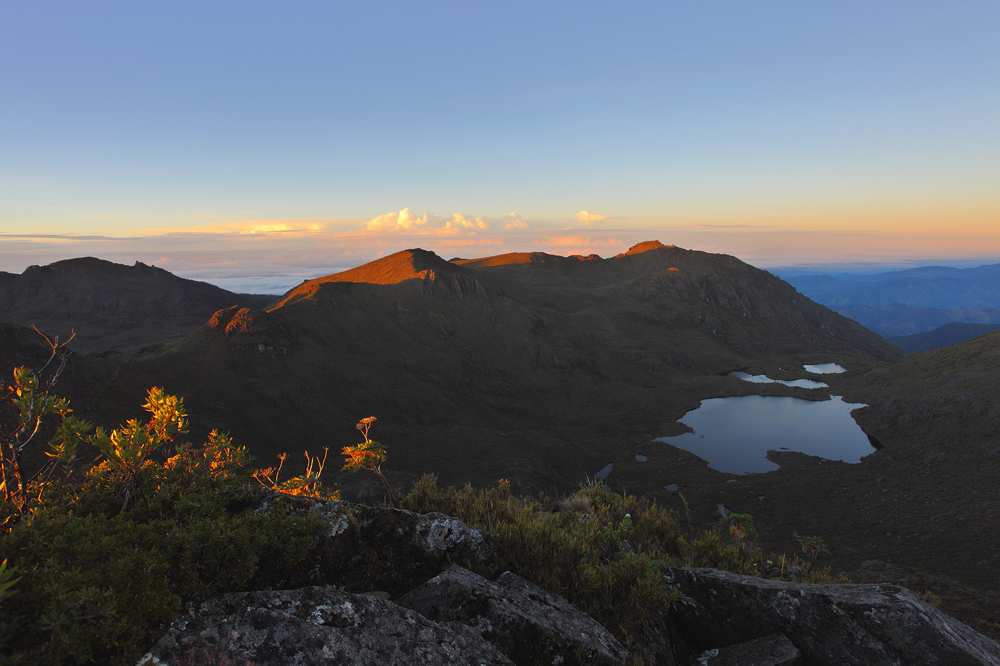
(913, 301)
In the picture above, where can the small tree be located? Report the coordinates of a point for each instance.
(367, 455)
(812, 546)
(127, 448)
(33, 412)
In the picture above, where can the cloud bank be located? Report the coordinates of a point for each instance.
(271, 256)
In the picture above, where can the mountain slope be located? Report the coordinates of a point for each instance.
(898, 319)
(496, 367)
(942, 336)
(951, 291)
(111, 306)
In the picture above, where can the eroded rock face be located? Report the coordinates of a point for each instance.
(833, 625)
(530, 625)
(374, 548)
(314, 626)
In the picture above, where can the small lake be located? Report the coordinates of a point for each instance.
(825, 369)
(764, 379)
(734, 434)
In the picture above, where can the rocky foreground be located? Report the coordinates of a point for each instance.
(395, 587)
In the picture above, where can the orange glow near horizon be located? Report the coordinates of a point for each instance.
(313, 247)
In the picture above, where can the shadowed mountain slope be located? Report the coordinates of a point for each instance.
(502, 370)
(942, 336)
(937, 413)
(111, 306)
(898, 319)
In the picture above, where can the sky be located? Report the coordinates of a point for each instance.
(256, 144)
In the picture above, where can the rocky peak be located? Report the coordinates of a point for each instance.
(645, 246)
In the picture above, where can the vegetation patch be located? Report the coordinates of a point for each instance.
(606, 553)
(96, 556)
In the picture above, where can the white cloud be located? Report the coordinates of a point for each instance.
(460, 221)
(515, 222)
(586, 217)
(425, 224)
(404, 220)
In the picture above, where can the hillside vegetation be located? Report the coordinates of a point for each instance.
(97, 556)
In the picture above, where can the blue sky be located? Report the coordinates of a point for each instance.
(233, 140)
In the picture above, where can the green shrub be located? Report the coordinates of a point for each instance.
(609, 560)
(607, 553)
(97, 582)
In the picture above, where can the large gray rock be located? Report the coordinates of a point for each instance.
(314, 626)
(835, 625)
(374, 548)
(530, 625)
(774, 650)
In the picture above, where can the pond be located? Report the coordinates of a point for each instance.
(764, 379)
(825, 369)
(734, 434)
(604, 472)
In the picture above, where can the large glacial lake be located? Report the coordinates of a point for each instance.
(734, 434)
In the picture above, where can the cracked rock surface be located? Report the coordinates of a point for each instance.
(835, 625)
(314, 626)
(530, 625)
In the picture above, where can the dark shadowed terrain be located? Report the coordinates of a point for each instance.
(111, 306)
(543, 369)
(942, 336)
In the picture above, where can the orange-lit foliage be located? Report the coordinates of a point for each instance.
(306, 485)
(29, 412)
(367, 455)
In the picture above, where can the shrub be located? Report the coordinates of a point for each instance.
(607, 553)
(367, 455)
(97, 578)
(609, 560)
(29, 412)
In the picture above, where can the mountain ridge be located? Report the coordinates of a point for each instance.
(109, 305)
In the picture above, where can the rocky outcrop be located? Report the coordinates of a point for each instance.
(374, 593)
(530, 625)
(833, 625)
(375, 548)
(313, 626)
(774, 650)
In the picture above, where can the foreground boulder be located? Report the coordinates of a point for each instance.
(375, 548)
(774, 650)
(833, 625)
(530, 625)
(314, 626)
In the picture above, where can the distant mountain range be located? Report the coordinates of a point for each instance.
(907, 302)
(110, 306)
(942, 336)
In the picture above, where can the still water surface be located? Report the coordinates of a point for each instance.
(734, 434)
(825, 369)
(764, 379)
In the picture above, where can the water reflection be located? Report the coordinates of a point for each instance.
(764, 379)
(734, 434)
(825, 369)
